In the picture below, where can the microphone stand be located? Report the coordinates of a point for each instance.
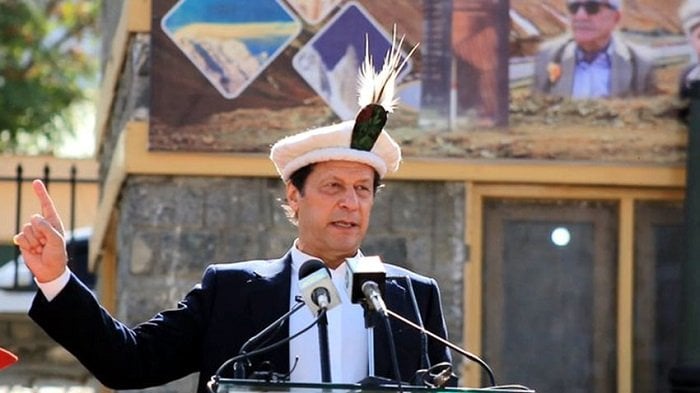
(370, 322)
(323, 345)
(371, 317)
(239, 368)
(469, 355)
(217, 375)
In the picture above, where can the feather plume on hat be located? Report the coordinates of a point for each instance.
(376, 94)
(362, 140)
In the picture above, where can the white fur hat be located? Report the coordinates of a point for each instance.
(616, 4)
(689, 14)
(371, 144)
(332, 143)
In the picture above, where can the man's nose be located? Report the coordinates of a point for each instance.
(350, 199)
(580, 13)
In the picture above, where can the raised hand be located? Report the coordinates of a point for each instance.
(42, 240)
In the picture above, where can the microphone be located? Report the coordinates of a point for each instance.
(374, 296)
(366, 270)
(320, 295)
(461, 351)
(365, 281)
(316, 286)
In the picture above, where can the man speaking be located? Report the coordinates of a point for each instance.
(331, 175)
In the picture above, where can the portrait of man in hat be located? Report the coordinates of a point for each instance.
(689, 14)
(593, 60)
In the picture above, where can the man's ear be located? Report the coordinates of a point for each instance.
(618, 16)
(293, 195)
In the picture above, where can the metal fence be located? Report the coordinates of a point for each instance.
(77, 248)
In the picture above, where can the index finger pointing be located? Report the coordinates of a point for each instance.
(48, 209)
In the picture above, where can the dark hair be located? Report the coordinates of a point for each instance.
(298, 178)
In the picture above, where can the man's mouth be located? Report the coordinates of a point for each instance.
(344, 224)
(581, 26)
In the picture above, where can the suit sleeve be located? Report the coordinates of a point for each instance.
(152, 353)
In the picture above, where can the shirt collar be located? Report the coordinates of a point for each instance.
(299, 257)
(601, 58)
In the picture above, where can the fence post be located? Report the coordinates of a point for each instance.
(18, 217)
(73, 180)
(47, 172)
(71, 242)
(74, 248)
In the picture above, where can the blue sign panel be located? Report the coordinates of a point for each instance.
(230, 41)
(331, 60)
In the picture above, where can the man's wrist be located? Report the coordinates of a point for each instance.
(52, 288)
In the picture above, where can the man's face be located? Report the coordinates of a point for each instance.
(694, 39)
(592, 23)
(334, 210)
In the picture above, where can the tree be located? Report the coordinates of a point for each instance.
(44, 68)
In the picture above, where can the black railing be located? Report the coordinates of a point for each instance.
(77, 248)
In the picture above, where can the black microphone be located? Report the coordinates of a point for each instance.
(365, 281)
(316, 286)
(374, 297)
(320, 295)
(366, 270)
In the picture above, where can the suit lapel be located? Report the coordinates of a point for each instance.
(269, 296)
(622, 72)
(565, 85)
(396, 300)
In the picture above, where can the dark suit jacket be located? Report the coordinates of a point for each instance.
(232, 303)
(686, 78)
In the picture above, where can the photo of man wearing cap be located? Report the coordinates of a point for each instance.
(331, 176)
(689, 14)
(593, 60)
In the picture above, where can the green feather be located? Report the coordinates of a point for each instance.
(368, 125)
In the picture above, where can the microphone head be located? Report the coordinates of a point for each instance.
(315, 279)
(361, 270)
(309, 267)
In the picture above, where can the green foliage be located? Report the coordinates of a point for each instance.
(44, 68)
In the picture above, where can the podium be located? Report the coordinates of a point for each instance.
(247, 385)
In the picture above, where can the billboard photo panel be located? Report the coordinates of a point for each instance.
(491, 79)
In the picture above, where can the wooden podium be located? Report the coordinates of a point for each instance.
(247, 385)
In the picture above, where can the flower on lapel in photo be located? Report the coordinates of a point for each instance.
(554, 72)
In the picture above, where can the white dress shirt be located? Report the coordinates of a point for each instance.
(347, 336)
(592, 79)
(51, 289)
